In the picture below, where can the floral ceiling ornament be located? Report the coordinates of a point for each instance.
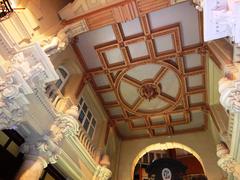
(149, 91)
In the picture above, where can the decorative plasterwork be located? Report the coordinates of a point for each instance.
(221, 19)
(59, 42)
(230, 94)
(126, 12)
(102, 173)
(19, 76)
(149, 90)
(48, 147)
(226, 161)
(13, 102)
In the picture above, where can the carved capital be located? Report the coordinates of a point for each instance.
(65, 125)
(125, 12)
(102, 173)
(13, 102)
(26, 70)
(44, 148)
(230, 94)
(226, 161)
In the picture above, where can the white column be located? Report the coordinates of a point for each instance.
(230, 98)
(31, 168)
(40, 152)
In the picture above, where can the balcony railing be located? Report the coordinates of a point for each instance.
(61, 104)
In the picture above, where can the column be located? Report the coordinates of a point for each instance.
(229, 88)
(39, 152)
(31, 168)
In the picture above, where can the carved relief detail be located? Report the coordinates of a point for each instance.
(48, 147)
(59, 42)
(13, 103)
(102, 173)
(226, 161)
(230, 94)
(26, 70)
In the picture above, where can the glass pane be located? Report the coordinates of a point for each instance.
(81, 116)
(81, 101)
(78, 107)
(90, 132)
(58, 83)
(93, 122)
(89, 115)
(84, 107)
(63, 72)
(86, 124)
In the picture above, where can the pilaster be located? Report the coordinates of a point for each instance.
(229, 88)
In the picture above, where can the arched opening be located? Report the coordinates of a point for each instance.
(156, 152)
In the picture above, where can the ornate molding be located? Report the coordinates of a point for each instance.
(48, 147)
(44, 148)
(25, 71)
(102, 173)
(226, 161)
(59, 42)
(13, 102)
(229, 88)
(221, 18)
(65, 125)
(125, 12)
(230, 94)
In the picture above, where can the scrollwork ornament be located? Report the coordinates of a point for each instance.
(13, 103)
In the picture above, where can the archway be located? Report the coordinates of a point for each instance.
(165, 146)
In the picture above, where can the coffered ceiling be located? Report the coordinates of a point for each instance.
(149, 73)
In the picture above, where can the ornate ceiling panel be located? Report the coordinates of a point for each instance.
(149, 73)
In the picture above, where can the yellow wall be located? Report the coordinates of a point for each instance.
(69, 60)
(201, 142)
(113, 150)
(214, 75)
(46, 14)
(98, 112)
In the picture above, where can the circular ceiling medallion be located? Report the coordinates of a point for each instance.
(149, 91)
(151, 88)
